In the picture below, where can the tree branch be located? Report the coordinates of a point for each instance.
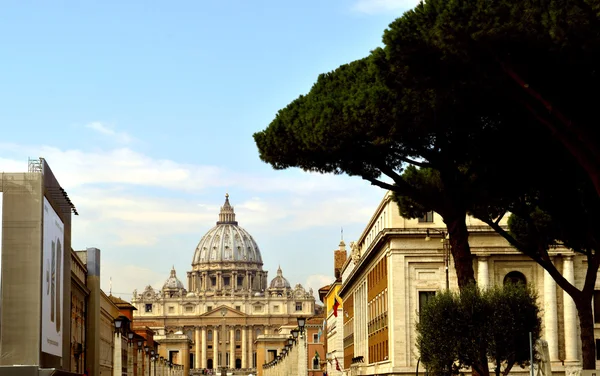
(413, 162)
(402, 187)
(540, 256)
(381, 184)
(500, 217)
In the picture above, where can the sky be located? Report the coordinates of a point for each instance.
(145, 112)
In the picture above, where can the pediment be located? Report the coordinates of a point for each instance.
(229, 312)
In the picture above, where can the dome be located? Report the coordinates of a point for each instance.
(227, 242)
(173, 283)
(279, 282)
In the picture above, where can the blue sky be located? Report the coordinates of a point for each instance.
(145, 111)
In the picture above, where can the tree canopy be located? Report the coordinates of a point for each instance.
(467, 109)
(456, 331)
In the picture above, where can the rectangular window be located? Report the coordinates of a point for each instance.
(258, 308)
(213, 281)
(597, 306)
(427, 218)
(276, 309)
(226, 281)
(189, 309)
(299, 306)
(240, 281)
(149, 307)
(272, 355)
(424, 298)
(208, 308)
(171, 309)
(315, 338)
(238, 308)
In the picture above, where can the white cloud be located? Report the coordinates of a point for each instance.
(102, 128)
(146, 214)
(383, 6)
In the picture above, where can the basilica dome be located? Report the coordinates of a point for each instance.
(227, 242)
(173, 283)
(279, 282)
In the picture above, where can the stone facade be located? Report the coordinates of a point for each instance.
(398, 263)
(227, 305)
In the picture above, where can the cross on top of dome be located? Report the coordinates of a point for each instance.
(227, 214)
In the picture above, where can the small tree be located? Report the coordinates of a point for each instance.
(456, 331)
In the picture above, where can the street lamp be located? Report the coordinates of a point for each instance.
(295, 333)
(118, 323)
(301, 324)
(445, 240)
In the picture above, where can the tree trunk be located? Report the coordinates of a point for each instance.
(461, 251)
(586, 325)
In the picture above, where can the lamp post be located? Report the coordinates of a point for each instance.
(139, 355)
(120, 324)
(302, 353)
(130, 335)
(146, 356)
(445, 240)
(152, 363)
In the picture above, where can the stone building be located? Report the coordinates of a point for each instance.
(397, 264)
(229, 302)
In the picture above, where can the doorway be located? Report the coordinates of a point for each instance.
(209, 364)
(238, 363)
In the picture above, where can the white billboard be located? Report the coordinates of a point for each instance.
(52, 277)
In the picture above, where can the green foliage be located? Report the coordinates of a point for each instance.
(439, 320)
(459, 330)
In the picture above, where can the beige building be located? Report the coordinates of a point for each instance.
(229, 302)
(397, 264)
(108, 312)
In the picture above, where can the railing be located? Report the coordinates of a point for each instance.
(293, 362)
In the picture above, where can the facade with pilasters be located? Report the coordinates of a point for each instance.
(397, 264)
(229, 302)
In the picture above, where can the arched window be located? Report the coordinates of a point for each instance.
(515, 277)
(238, 335)
(315, 362)
(258, 332)
(209, 335)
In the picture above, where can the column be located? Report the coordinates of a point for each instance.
(250, 342)
(215, 347)
(232, 347)
(302, 355)
(244, 347)
(130, 358)
(185, 354)
(204, 281)
(204, 348)
(483, 278)
(117, 359)
(570, 313)
(550, 316)
(219, 282)
(248, 281)
(198, 345)
(189, 278)
(140, 358)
